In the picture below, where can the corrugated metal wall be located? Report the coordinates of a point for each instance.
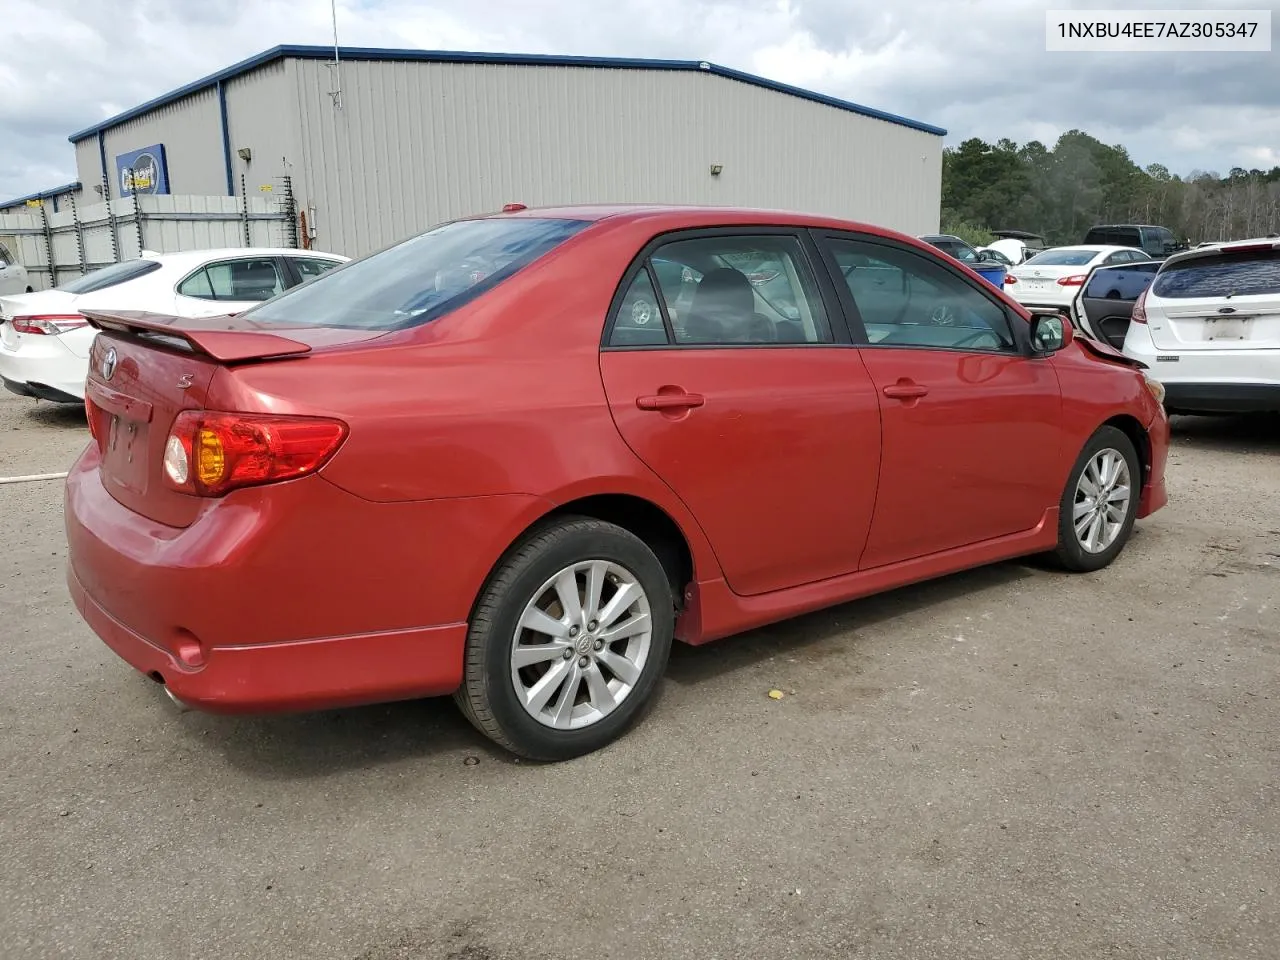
(191, 131)
(417, 143)
(260, 116)
(89, 166)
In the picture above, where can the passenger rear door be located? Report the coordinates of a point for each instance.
(971, 423)
(726, 376)
(1107, 297)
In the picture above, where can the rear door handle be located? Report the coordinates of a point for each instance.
(905, 390)
(670, 401)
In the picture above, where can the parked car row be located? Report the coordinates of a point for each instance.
(45, 339)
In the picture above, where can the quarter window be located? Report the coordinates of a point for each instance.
(907, 300)
(639, 320)
(309, 267)
(237, 280)
(738, 290)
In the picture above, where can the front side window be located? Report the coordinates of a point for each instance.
(422, 278)
(905, 299)
(237, 280)
(738, 290)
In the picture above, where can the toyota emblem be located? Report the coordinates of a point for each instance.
(108, 367)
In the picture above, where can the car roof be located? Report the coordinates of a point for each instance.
(1089, 247)
(190, 257)
(677, 216)
(1219, 248)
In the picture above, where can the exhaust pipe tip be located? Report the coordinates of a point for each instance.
(182, 707)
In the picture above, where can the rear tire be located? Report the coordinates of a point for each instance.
(1100, 502)
(568, 641)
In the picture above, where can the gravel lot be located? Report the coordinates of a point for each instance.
(1008, 763)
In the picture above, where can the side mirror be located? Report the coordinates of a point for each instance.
(1050, 332)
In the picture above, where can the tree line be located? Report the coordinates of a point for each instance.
(1061, 192)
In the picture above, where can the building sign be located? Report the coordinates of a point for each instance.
(142, 171)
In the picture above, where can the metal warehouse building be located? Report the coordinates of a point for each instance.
(381, 144)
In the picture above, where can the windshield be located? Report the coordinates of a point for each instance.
(110, 276)
(1244, 274)
(420, 279)
(1061, 258)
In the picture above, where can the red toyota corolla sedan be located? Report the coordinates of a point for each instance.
(513, 458)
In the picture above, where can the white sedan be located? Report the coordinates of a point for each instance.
(45, 341)
(1054, 277)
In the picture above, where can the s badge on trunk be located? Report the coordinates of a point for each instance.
(108, 366)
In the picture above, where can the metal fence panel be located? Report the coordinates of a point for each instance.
(57, 246)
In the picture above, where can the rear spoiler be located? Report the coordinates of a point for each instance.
(1101, 350)
(232, 344)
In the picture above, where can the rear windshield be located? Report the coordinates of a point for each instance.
(110, 276)
(1062, 258)
(420, 279)
(1249, 273)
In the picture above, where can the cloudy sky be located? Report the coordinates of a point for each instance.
(977, 67)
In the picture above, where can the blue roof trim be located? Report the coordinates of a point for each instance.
(286, 51)
(43, 195)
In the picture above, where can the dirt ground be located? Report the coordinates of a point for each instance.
(1009, 763)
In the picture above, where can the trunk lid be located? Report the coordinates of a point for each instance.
(145, 369)
(1225, 298)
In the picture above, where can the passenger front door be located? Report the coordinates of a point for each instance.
(731, 387)
(971, 422)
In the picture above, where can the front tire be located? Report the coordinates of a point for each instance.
(1100, 503)
(568, 641)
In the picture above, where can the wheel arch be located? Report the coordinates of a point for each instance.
(1132, 428)
(681, 555)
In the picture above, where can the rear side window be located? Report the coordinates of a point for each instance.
(238, 280)
(309, 267)
(420, 279)
(726, 290)
(111, 276)
(1114, 236)
(1245, 273)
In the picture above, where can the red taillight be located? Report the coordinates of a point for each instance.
(1140, 308)
(91, 414)
(513, 207)
(1075, 281)
(210, 453)
(48, 324)
(1010, 278)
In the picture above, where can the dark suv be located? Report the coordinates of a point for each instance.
(1157, 242)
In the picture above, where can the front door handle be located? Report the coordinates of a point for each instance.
(905, 390)
(671, 401)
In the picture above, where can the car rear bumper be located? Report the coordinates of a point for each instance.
(43, 367)
(38, 391)
(1222, 397)
(314, 674)
(294, 596)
